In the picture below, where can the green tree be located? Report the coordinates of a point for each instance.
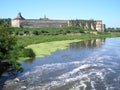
(8, 54)
(27, 52)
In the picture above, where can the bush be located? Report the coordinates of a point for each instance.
(44, 31)
(26, 32)
(35, 32)
(16, 32)
(81, 31)
(28, 53)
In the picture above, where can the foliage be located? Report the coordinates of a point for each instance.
(27, 52)
(8, 50)
(36, 32)
(5, 21)
(49, 31)
(7, 42)
(113, 29)
(26, 32)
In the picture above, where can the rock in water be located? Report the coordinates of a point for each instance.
(23, 88)
(16, 80)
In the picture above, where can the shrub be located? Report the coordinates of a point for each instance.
(81, 31)
(27, 52)
(16, 32)
(35, 32)
(26, 32)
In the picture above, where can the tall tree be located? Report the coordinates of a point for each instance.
(8, 56)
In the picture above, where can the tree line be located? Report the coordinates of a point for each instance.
(113, 29)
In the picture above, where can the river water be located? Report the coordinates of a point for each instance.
(86, 65)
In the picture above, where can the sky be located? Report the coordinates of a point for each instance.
(106, 10)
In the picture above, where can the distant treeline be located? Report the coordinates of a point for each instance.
(113, 29)
(6, 21)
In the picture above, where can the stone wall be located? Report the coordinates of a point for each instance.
(99, 26)
(20, 21)
(87, 24)
(36, 23)
(15, 23)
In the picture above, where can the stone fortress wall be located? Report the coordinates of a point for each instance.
(19, 21)
(36, 23)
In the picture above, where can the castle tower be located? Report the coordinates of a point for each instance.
(19, 17)
(99, 25)
(16, 21)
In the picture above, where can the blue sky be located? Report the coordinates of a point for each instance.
(106, 10)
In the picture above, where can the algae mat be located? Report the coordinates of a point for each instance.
(47, 48)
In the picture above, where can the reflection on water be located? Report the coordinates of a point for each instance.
(30, 60)
(86, 65)
(88, 44)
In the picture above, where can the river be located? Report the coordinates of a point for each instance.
(85, 65)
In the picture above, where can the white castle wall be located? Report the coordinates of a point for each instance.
(15, 23)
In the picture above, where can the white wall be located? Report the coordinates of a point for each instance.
(15, 23)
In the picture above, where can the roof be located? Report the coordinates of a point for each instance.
(19, 17)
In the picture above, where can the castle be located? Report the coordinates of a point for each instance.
(20, 21)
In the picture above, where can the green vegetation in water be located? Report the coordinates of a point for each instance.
(49, 47)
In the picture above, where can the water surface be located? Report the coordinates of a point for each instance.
(86, 65)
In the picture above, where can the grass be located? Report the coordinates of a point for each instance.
(28, 40)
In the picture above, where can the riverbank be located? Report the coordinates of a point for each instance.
(29, 40)
(45, 45)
